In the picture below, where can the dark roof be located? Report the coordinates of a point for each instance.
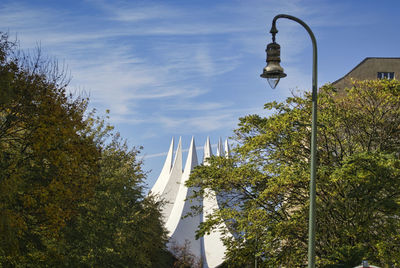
(364, 60)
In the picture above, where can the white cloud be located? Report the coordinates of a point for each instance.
(205, 123)
(155, 155)
(198, 149)
(163, 67)
(138, 13)
(197, 106)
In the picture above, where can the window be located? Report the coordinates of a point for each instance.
(387, 75)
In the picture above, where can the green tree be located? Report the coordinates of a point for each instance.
(119, 226)
(265, 184)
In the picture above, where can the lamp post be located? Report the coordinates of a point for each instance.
(274, 72)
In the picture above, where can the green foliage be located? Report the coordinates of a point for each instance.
(360, 214)
(265, 184)
(118, 227)
(71, 192)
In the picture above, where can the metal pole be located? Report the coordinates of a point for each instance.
(313, 171)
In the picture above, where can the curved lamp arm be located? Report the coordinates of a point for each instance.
(312, 216)
(274, 31)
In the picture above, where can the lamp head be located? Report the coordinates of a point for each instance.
(273, 71)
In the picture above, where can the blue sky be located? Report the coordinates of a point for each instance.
(191, 68)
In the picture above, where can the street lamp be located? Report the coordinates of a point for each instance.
(274, 72)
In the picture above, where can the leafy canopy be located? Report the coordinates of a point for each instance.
(264, 186)
(71, 191)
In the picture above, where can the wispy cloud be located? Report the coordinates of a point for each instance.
(197, 106)
(120, 75)
(206, 122)
(198, 150)
(170, 68)
(155, 155)
(134, 12)
(164, 67)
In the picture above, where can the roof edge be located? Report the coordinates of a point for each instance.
(364, 60)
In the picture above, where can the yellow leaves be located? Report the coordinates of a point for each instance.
(47, 168)
(29, 201)
(11, 221)
(56, 216)
(62, 203)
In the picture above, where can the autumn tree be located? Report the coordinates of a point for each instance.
(71, 192)
(47, 165)
(184, 258)
(264, 186)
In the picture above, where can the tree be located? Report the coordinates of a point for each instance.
(265, 183)
(184, 256)
(47, 166)
(119, 226)
(71, 192)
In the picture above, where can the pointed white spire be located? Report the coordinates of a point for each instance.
(162, 181)
(227, 149)
(172, 187)
(191, 161)
(207, 151)
(220, 149)
(180, 229)
(180, 206)
(210, 247)
(178, 157)
(214, 249)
